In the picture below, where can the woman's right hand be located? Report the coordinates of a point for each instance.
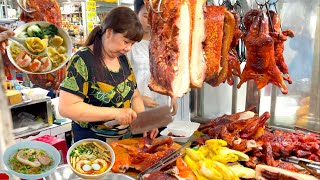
(5, 33)
(125, 116)
(149, 102)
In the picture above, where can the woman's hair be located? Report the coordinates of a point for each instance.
(121, 20)
(137, 5)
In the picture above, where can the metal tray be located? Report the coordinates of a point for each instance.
(64, 172)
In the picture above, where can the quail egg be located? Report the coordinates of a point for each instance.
(96, 167)
(86, 167)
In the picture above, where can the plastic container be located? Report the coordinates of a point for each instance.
(183, 128)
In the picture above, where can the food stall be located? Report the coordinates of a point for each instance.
(255, 118)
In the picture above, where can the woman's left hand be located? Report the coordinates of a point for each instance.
(152, 134)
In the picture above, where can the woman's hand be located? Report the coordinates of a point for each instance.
(125, 116)
(4, 35)
(149, 102)
(152, 134)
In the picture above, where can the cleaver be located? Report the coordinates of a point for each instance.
(150, 119)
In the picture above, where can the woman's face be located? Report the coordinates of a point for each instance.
(115, 44)
(143, 18)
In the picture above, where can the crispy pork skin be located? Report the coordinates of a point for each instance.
(169, 48)
(228, 28)
(197, 62)
(264, 172)
(214, 20)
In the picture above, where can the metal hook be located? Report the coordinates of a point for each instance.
(269, 18)
(28, 12)
(274, 3)
(262, 4)
(158, 9)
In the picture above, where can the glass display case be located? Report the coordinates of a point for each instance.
(301, 106)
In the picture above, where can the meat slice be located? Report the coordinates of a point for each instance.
(233, 57)
(169, 48)
(214, 20)
(264, 172)
(197, 62)
(228, 28)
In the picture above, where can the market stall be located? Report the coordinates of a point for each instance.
(252, 69)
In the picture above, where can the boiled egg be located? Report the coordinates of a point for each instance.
(86, 167)
(96, 167)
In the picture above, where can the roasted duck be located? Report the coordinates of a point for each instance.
(246, 132)
(139, 155)
(44, 10)
(261, 65)
(279, 38)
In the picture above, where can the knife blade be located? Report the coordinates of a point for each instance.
(151, 119)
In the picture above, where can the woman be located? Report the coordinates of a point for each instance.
(100, 85)
(139, 57)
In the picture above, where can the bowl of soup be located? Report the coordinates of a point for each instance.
(31, 159)
(40, 36)
(90, 158)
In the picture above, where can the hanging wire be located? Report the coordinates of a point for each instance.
(269, 18)
(275, 8)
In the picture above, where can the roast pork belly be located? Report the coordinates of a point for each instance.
(197, 61)
(214, 20)
(169, 48)
(228, 28)
(264, 172)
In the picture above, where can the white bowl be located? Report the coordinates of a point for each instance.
(183, 128)
(52, 151)
(66, 41)
(89, 176)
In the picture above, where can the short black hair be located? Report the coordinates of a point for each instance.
(137, 5)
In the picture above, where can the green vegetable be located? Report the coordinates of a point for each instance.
(31, 158)
(34, 31)
(51, 30)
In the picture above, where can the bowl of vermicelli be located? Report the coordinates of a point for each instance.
(31, 159)
(90, 158)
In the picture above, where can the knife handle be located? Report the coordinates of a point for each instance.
(111, 123)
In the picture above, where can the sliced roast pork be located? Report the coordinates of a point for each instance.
(264, 172)
(228, 29)
(214, 17)
(169, 47)
(197, 61)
